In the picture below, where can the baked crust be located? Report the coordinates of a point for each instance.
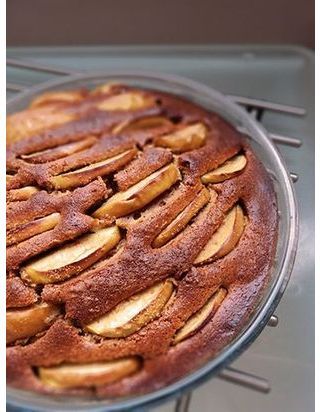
(97, 146)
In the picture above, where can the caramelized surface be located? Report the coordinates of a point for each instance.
(141, 231)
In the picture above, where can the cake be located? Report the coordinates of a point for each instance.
(141, 233)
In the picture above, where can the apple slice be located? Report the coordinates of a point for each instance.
(16, 195)
(140, 194)
(124, 101)
(24, 323)
(59, 152)
(88, 173)
(131, 315)
(189, 138)
(30, 122)
(197, 320)
(88, 375)
(72, 258)
(229, 169)
(145, 123)
(71, 96)
(9, 177)
(225, 238)
(182, 219)
(27, 230)
(105, 88)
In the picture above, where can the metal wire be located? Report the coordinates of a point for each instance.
(183, 402)
(245, 379)
(264, 104)
(14, 87)
(40, 67)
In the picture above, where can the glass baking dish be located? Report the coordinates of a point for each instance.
(286, 246)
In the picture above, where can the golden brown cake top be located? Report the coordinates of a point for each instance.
(141, 231)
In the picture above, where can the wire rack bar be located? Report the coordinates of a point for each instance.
(40, 67)
(264, 104)
(245, 379)
(286, 140)
(277, 138)
(14, 87)
(183, 402)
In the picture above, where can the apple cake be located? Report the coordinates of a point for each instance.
(141, 231)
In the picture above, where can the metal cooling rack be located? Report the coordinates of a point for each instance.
(256, 108)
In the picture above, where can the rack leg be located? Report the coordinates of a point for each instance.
(245, 379)
(183, 402)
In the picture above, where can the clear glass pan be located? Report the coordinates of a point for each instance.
(286, 247)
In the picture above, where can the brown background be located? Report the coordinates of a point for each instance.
(76, 22)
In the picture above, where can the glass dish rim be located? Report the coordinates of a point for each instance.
(263, 313)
